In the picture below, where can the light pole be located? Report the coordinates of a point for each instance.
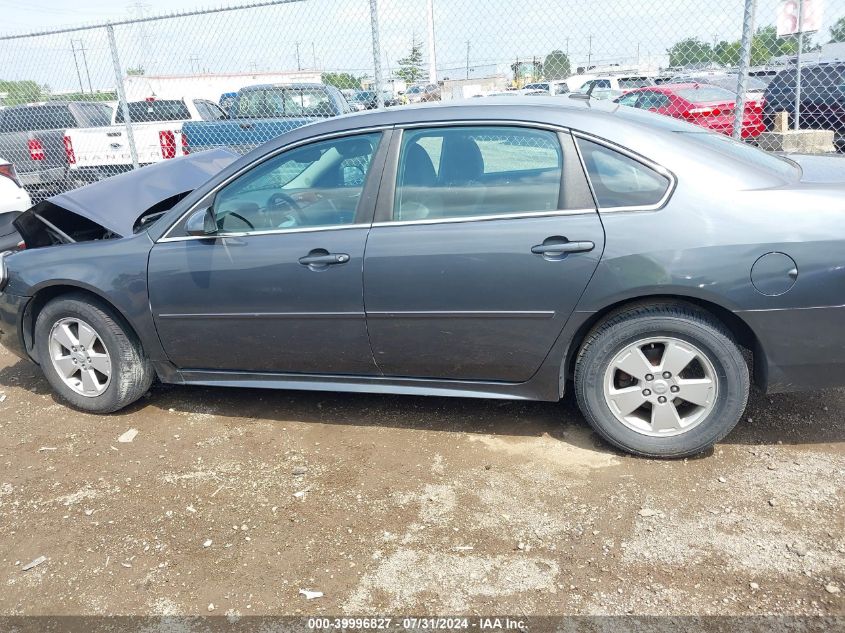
(432, 55)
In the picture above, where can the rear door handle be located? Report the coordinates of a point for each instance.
(562, 248)
(319, 258)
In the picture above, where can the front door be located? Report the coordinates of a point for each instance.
(488, 242)
(278, 288)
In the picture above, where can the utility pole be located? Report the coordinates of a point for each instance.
(195, 62)
(589, 51)
(432, 56)
(76, 63)
(85, 63)
(298, 62)
(314, 55)
(468, 59)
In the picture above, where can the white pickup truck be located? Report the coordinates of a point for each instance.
(96, 153)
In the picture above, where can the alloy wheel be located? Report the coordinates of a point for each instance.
(661, 386)
(79, 357)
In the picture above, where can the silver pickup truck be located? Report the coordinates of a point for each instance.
(32, 138)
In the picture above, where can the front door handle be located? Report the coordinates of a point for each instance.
(562, 248)
(320, 258)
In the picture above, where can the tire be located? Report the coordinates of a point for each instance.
(716, 380)
(126, 373)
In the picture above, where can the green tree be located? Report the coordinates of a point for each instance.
(690, 52)
(342, 81)
(557, 65)
(727, 53)
(26, 91)
(837, 31)
(411, 67)
(135, 72)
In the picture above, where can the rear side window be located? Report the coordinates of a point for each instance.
(154, 111)
(621, 181)
(473, 171)
(37, 118)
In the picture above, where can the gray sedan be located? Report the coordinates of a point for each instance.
(498, 248)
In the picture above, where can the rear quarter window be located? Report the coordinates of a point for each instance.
(618, 180)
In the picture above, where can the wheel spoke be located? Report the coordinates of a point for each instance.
(627, 400)
(89, 381)
(87, 336)
(696, 391)
(64, 337)
(675, 358)
(101, 363)
(634, 363)
(65, 366)
(664, 417)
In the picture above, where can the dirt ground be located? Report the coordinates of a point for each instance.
(232, 501)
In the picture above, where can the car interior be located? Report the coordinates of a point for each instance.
(316, 185)
(462, 172)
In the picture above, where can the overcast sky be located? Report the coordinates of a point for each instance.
(335, 34)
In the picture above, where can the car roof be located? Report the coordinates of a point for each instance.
(280, 85)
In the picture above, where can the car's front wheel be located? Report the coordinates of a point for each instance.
(88, 356)
(661, 380)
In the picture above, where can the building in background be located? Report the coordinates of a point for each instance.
(208, 86)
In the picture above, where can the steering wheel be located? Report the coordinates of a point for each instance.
(283, 201)
(234, 214)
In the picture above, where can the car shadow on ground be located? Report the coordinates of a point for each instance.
(804, 418)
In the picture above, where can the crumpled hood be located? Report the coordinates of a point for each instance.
(117, 202)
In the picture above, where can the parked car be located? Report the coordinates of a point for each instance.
(13, 200)
(632, 256)
(551, 87)
(261, 113)
(755, 88)
(822, 98)
(13, 197)
(98, 152)
(616, 82)
(423, 93)
(367, 100)
(708, 106)
(32, 139)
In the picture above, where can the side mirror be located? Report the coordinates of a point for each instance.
(201, 223)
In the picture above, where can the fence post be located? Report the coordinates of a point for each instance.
(376, 52)
(744, 65)
(798, 65)
(121, 95)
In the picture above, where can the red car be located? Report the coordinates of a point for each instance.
(705, 105)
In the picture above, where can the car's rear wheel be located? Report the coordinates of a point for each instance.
(89, 357)
(662, 380)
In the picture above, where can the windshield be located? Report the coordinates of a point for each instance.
(362, 96)
(746, 153)
(283, 102)
(415, 89)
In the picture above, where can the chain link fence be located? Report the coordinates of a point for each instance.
(80, 104)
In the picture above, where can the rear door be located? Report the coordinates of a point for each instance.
(479, 253)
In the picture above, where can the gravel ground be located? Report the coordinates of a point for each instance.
(232, 501)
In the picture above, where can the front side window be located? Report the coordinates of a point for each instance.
(477, 171)
(310, 186)
(621, 181)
